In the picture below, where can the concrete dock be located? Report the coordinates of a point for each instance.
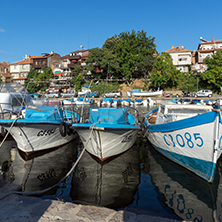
(19, 208)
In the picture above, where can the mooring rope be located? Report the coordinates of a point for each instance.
(69, 172)
(8, 131)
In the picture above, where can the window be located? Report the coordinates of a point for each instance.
(15, 67)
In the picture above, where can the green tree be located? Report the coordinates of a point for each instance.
(213, 75)
(164, 74)
(126, 53)
(102, 60)
(77, 69)
(76, 81)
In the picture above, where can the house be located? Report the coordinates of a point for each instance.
(52, 60)
(19, 70)
(182, 58)
(4, 72)
(205, 48)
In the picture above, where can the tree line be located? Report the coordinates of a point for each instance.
(134, 55)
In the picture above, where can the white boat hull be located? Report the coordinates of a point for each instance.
(35, 137)
(194, 146)
(106, 143)
(156, 93)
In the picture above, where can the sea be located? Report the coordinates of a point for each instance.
(141, 180)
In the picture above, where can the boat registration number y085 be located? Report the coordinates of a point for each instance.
(191, 140)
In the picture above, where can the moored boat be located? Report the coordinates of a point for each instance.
(144, 93)
(189, 135)
(41, 128)
(108, 131)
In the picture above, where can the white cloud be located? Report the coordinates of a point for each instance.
(2, 30)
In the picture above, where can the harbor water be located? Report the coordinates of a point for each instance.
(140, 179)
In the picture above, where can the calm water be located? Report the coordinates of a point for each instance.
(140, 178)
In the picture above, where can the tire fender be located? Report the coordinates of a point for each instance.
(63, 129)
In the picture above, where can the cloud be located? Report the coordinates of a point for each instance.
(2, 30)
(2, 52)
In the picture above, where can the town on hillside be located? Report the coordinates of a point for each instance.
(62, 66)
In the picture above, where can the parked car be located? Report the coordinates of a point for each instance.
(203, 93)
(114, 93)
(52, 94)
(69, 93)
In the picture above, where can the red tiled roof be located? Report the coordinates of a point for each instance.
(178, 49)
(24, 61)
(21, 78)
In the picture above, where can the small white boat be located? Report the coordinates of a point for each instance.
(108, 132)
(189, 135)
(41, 128)
(82, 101)
(149, 102)
(127, 102)
(144, 93)
(106, 102)
(139, 102)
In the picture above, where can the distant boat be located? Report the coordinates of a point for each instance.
(108, 131)
(40, 128)
(144, 93)
(189, 135)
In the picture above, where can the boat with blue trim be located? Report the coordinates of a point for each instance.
(189, 135)
(41, 128)
(108, 131)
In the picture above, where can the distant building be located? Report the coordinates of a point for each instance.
(4, 72)
(52, 60)
(182, 58)
(205, 48)
(19, 70)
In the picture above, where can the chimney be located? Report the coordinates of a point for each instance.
(172, 46)
(212, 39)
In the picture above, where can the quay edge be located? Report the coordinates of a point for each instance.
(19, 208)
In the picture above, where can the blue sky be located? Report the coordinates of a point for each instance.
(36, 27)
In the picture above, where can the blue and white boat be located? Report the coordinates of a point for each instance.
(41, 128)
(108, 131)
(127, 102)
(138, 92)
(189, 135)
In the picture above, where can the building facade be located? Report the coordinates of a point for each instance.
(205, 48)
(182, 58)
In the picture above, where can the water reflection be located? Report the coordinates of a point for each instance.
(190, 197)
(112, 184)
(39, 171)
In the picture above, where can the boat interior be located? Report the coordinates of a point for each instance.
(174, 112)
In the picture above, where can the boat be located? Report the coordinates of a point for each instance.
(106, 102)
(139, 92)
(13, 97)
(108, 131)
(189, 135)
(149, 102)
(138, 102)
(127, 102)
(41, 128)
(184, 101)
(83, 101)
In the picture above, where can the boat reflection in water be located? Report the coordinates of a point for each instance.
(111, 184)
(190, 197)
(42, 170)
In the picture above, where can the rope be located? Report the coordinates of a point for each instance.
(69, 172)
(8, 131)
